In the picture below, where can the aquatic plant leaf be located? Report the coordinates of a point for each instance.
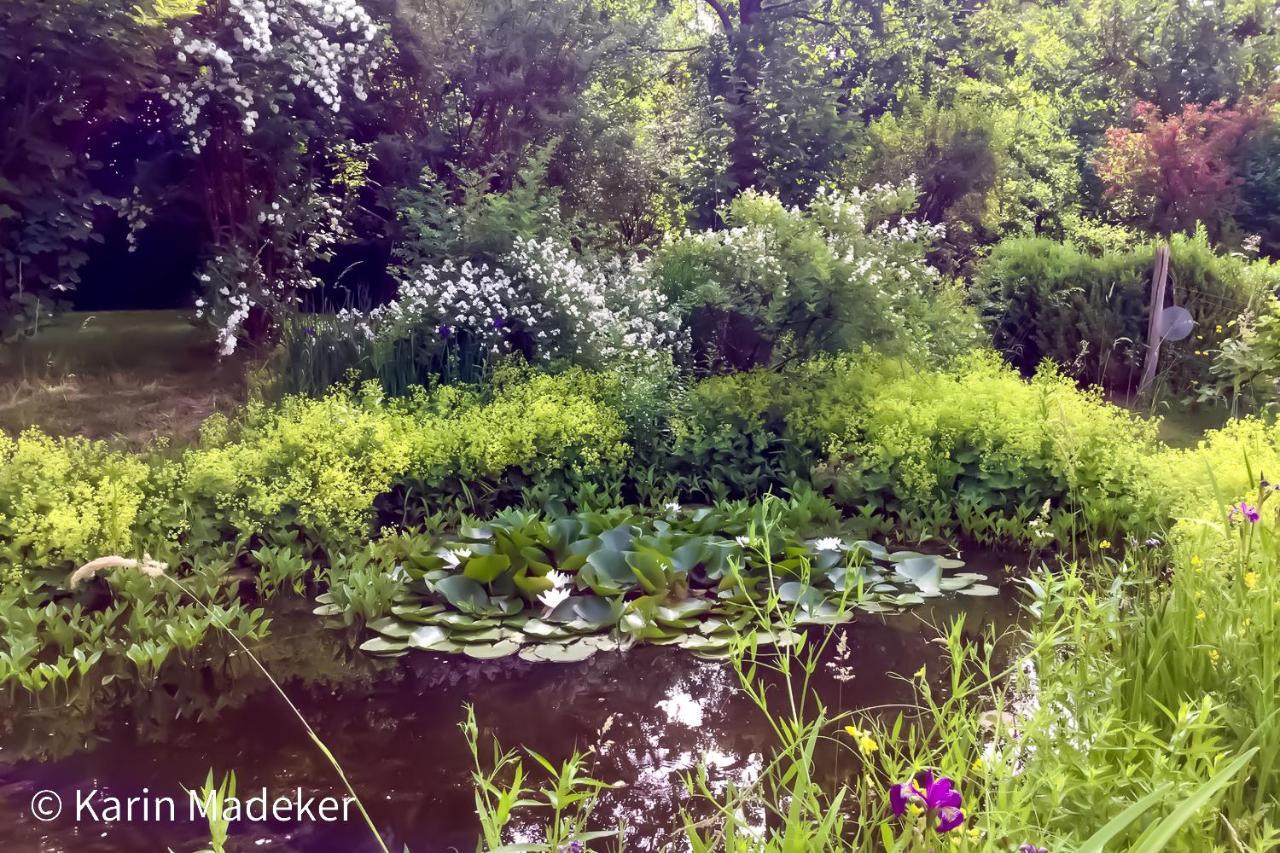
(980, 589)
(389, 626)
(595, 610)
(489, 651)
(382, 646)
(541, 630)
(874, 549)
(485, 568)
(463, 593)
(567, 653)
(795, 592)
(427, 636)
(922, 571)
(607, 573)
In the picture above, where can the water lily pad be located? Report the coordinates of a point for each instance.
(427, 636)
(980, 589)
(566, 653)
(923, 572)
(538, 628)
(485, 568)
(489, 651)
(389, 626)
(463, 593)
(382, 646)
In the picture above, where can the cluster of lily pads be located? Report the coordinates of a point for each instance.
(564, 588)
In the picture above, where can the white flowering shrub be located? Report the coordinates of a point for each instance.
(610, 313)
(256, 91)
(253, 280)
(252, 56)
(468, 302)
(849, 270)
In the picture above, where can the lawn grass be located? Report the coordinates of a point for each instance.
(130, 377)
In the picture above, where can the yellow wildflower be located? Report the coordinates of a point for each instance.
(1104, 544)
(978, 764)
(1213, 656)
(867, 744)
(1250, 579)
(1196, 562)
(1200, 617)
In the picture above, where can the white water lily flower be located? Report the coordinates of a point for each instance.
(673, 506)
(553, 598)
(559, 580)
(455, 556)
(829, 543)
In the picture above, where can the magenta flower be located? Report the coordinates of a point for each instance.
(936, 796)
(1031, 848)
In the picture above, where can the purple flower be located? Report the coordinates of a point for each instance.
(936, 796)
(1031, 848)
(310, 331)
(499, 322)
(1244, 510)
(445, 331)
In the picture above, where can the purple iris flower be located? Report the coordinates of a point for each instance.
(1244, 510)
(936, 795)
(445, 331)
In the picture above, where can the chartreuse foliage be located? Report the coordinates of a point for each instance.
(974, 450)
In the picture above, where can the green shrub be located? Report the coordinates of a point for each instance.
(1089, 313)
(975, 449)
(65, 500)
(983, 452)
(319, 465)
(781, 283)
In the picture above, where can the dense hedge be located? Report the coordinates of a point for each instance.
(1089, 313)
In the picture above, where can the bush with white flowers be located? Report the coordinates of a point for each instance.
(472, 301)
(611, 313)
(849, 270)
(257, 90)
(248, 54)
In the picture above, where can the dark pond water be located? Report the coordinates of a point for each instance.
(649, 715)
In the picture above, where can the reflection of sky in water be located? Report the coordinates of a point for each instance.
(649, 718)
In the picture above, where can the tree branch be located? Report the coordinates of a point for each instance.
(726, 20)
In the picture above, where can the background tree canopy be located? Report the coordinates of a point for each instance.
(310, 153)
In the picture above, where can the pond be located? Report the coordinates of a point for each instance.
(649, 715)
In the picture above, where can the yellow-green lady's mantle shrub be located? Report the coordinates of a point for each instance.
(64, 500)
(318, 465)
(981, 449)
(974, 449)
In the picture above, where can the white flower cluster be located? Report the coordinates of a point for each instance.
(610, 313)
(273, 268)
(449, 299)
(246, 56)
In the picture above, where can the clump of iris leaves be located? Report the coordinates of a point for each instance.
(692, 578)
